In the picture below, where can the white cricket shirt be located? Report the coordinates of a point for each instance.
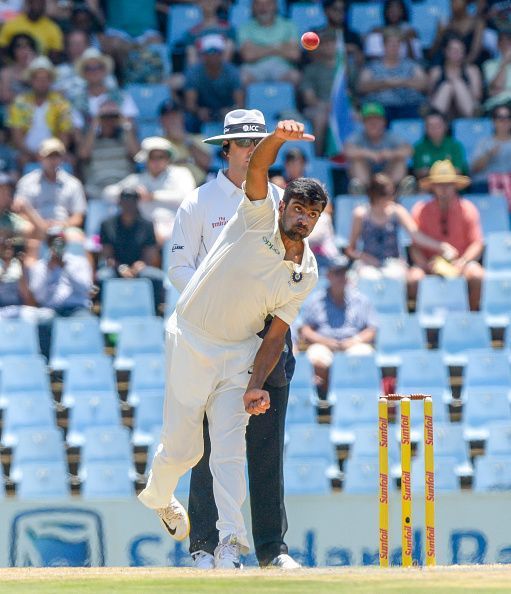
(245, 277)
(199, 221)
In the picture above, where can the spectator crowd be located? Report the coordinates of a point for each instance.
(91, 173)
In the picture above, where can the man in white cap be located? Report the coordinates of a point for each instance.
(260, 265)
(199, 222)
(161, 187)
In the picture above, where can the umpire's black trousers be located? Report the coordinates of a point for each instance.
(265, 451)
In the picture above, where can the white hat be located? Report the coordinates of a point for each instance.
(39, 63)
(241, 123)
(51, 145)
(153, 143)
(212, 43)
(91, 54)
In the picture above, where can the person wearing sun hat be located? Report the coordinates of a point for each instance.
(199, 222)
(96, 69)
(447, 217)
(162, 185)
(38, 113)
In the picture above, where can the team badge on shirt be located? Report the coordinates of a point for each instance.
(296, 277)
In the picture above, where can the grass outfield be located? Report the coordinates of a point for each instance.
(468, 579)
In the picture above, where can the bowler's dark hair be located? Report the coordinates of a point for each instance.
(306, 189)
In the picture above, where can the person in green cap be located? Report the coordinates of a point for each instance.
(374, 149)
(437, 145)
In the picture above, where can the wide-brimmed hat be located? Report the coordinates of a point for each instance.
(443, 172)
(241, 123)
(212, 44)
(91, 54)
(153, 143)
(39, 63)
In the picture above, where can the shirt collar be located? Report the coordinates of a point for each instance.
(226, 185)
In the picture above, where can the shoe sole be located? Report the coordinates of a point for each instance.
(169, 529)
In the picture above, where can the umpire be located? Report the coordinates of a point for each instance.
(199, 221)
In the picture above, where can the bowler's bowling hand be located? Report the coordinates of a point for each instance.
(292, 130)
(256, 401)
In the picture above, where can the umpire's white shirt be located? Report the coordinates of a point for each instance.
(199, 221)
(245, 277)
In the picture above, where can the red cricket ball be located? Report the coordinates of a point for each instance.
(310, 41)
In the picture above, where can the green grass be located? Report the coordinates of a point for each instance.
(480, 580)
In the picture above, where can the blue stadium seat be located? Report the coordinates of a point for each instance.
(147, 418)
(163, 52)
(487, 368)
(304, 373)
(106, 444)
(483, 406)
(365, 16)
(499, 439)
(355, 372)
(147, 377)
(181, 18)
(271, 98)
(240, 13)
(307, 16)
(361, 474)
(300, 408)
(43, 480)
(446, 479)
(425, 18)
(397, 333)
(365, 443)
(309, 440)
(449, 441)
(88, 375)
(409, 130)
(149, 128)
(45, 444)
(470, 131)
(496, 300)
(74, 336)
(97, 211)
(497, 255)
(138, 336)
(493, 211)
(344, 205)
(425, 372)
(353, 408)
(492, 473)
(387, 295)
(306, 476)
(107, 480)
(307, 148)
(321, 169)
(92, 411)
(438, 297)
(24, 375)
(148, 98)
(18, 337)
(125, 298)
(461, 333)
(171, 299)
(26, 411)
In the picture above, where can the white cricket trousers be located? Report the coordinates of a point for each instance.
(204, 375)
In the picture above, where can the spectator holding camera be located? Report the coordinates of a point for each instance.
(61, 283)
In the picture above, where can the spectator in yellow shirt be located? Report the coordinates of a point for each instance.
(34, 22)
(40, 113)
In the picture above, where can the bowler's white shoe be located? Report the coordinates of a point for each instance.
(175, 519)
(203, 560)
(227, 553)
(284, 561)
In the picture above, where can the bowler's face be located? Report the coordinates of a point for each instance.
(298, 219)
